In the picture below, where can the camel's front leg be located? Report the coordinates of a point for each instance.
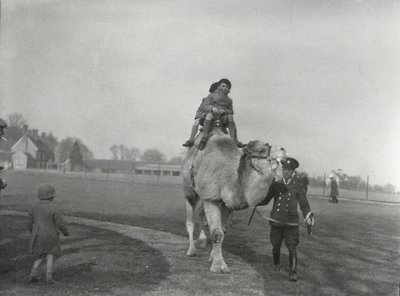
(190, 223)
(213, 214)
(227, 215)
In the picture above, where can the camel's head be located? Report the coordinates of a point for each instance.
(259, 167)
(257, 150)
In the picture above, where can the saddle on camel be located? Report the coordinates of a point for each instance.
(216, 108)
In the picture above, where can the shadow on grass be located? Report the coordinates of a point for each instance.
(93, 260)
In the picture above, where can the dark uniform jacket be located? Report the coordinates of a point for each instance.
(209, 102)
(286, 199)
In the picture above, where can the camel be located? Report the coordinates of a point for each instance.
(220, 179)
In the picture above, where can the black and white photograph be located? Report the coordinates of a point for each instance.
(181, 147)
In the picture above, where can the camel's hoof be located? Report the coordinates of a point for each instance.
(220, 268)
(202, 243)
(191, 252)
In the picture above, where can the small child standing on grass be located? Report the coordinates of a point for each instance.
(44, 223)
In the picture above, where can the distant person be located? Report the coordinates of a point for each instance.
(334, 190)
(3, 125)
(44, 223)
(217, 103)
(287, 193)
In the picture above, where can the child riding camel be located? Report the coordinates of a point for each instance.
(216, 104)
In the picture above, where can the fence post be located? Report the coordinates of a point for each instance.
(108, 168)
(366, 196)
(323, 190)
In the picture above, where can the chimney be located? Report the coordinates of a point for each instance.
(35, 133)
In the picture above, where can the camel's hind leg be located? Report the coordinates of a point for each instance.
(213, 214)
(202, 240)
(190, 224)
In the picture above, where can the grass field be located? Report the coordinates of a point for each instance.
(354, 249)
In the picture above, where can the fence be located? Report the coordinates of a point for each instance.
(313, 190)
(129, 176)
(366, 192)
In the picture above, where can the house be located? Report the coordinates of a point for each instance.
(159, 170)
(5, 159)
(31, 152)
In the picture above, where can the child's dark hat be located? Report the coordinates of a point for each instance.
(226, 81)
(213, 87)
(46, 191)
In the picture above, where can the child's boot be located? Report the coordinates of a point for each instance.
(33, 278)
(49, 278)
(190, 142)
(49, 269)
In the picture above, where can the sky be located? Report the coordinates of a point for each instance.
(320, 78)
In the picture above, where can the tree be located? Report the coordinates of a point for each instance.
(16, 120)
(76, 157)
(64, 149)
(123, 152)
(115, 152)
(175, 160)
(153, 156)
(49, 140)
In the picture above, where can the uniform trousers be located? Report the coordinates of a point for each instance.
(279, 233)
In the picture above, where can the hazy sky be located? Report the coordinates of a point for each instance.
(320, 78)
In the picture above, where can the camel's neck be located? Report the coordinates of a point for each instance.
(254, 183)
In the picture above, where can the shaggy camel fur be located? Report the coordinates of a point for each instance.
(221, 178)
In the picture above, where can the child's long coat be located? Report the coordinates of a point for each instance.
(44, 223)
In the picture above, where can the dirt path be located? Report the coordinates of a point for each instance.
(188, 276)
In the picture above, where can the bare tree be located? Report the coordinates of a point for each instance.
(123, 152)
(175, 160)
(16, 120)
(153, 156)
(64, 149)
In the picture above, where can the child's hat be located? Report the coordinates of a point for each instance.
(46, 191)
(213, 87)
(226, 81)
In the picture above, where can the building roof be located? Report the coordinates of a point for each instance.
(112, 164)
(159, 167)
(41, 145)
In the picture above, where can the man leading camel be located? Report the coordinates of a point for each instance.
(287, 193)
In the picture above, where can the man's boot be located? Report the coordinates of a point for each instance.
(206, 131)
(233, 134)
(276, 252)
(190, 142)
(293, 266)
